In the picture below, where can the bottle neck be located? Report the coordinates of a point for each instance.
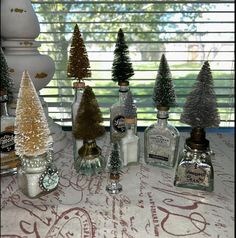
(162, 118)
(4, 111)
(130, 129)
(78, 91)
(123, 91)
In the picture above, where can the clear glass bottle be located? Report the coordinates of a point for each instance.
(194, 169)
(37, 175)
(117, 119)
(114, 187)
(9, 159)
(161, 141)
(79, 89)
(90, 160)
(129, 145)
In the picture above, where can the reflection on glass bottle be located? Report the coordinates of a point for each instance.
(161, 141)
(129, 145)
(79, 89)
(9, 160)
(117, 119)
(194, 169)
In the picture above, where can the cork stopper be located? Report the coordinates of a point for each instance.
(197, 140)
(78, 85)
(123, 83)
(130, 120)
(162, 108)
(114, 176)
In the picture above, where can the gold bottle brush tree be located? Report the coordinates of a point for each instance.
(33, 143)
(88, 127)
(78, 69)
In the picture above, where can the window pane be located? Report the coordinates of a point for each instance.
(188, 32)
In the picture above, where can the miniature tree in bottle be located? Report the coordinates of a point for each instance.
(161, 139)
(78, 69)
(9, 160)
(194, 169)
(115, 166)
(87, 128)
(33, 143)
(122, 71)
(129, 144)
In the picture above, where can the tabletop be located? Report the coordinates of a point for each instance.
(149, 205)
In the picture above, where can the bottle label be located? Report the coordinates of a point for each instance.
(158, 157)
(195, 174)
(7, 143)
(119, 123)
(159, 140)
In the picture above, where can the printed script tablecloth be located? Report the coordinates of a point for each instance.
(149, 206)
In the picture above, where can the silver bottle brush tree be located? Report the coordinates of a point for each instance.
(195, 169)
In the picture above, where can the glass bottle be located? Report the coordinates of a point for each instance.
(9, 160)
(90, 160)
(161, 141)
(194, 169)
(37, 175)
(79, 89)
(129, 144)
(114, 187)
(117, 119)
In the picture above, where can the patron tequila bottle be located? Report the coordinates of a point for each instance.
(9, 160)
(194, 169)
(161, 141)
(129, 144)
(79, 89)
(117, 119)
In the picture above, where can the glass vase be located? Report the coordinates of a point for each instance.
(90, 160)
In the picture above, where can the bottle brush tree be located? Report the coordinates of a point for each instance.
(115, 162)
(5, 80)
(122, 69)
(78, 66)
(164, 93)
(32, 135)
(88, 120)
(200, 109)
(129, 109)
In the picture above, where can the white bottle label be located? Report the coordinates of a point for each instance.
(158, 147)
(159, 140)
(195, 175)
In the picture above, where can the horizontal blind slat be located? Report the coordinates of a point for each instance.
(213, 36)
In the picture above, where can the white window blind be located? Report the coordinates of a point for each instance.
(187, 32)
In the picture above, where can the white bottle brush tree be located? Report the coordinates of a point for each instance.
(32, 135)
(200, 109)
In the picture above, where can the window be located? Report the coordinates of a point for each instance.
(187, 32)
